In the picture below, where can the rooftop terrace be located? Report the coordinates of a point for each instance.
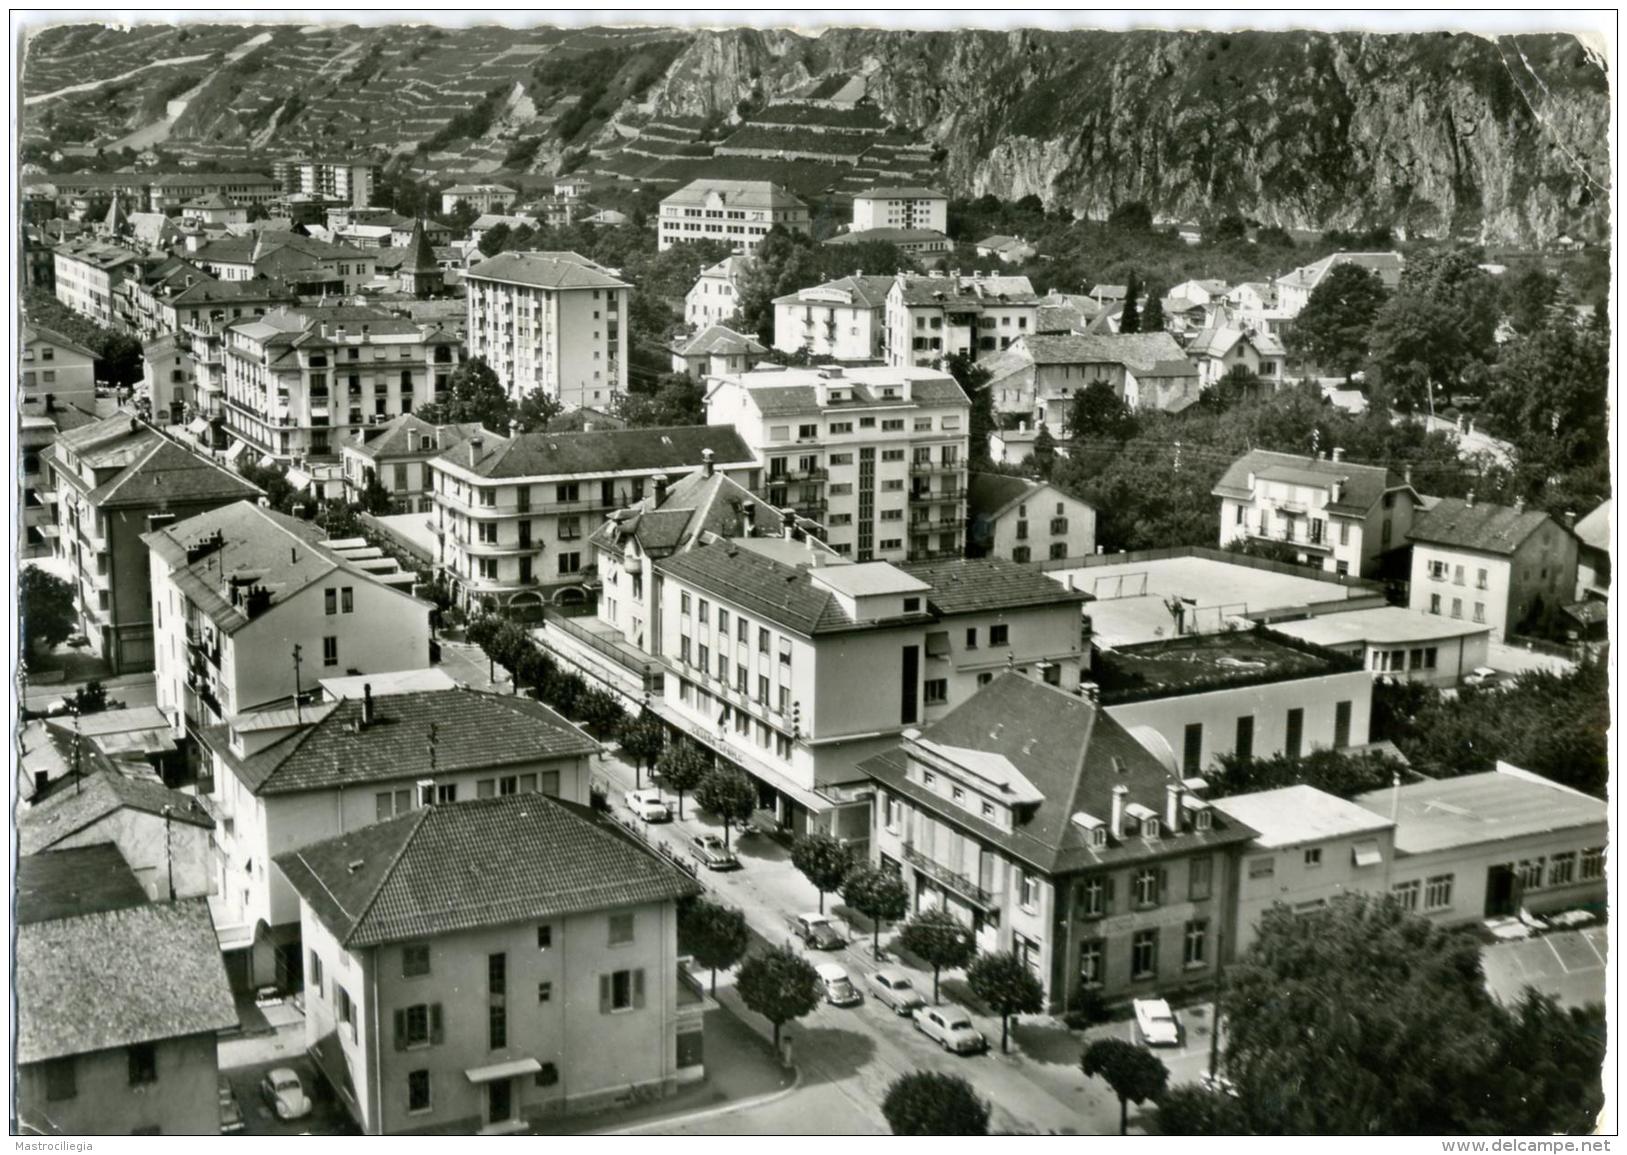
(1196, 663)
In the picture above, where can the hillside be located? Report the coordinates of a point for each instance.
(1505, 140)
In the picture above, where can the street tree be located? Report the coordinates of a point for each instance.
(683, 766)
(474, 392)
(532, 668)
(939, 939)
(730, 795)
(880, 895)
(1130, 318)
(1335, 327)
(1192, 1109)
(375, 499)
(535, 410)
(1134, 1073)
(643, 739)
(1043, 457)
(48, 616)
(1004, 983)
(780, 985)
(714, 935)
(931, 1103)
(600, 711)
(824, 860)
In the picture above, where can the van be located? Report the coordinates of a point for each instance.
(839, 991)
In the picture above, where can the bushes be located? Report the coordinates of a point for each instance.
(507, 644)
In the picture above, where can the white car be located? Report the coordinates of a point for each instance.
(1481, 676)
(892, 988)
(647, 804)
(839, 989)
(1156, 1024)
(952, 1028)
(285, 1094)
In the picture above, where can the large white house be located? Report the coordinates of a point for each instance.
(930, 318)
(738, 211)
(845, 319)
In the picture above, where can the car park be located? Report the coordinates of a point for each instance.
(951, 1028)
(817, 932)
(1156, 1024)
(710, 850)
(285, 1094)
(648, 805)
(839, 989)
(892, 987)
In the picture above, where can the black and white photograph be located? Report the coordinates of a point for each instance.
(681, 575)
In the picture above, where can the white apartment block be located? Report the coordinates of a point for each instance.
(343, 180)
(550, 321)
(738, 211)
(715, 296)
(88, 275)
(483, 198)
(845, 319)
(877, 455)
(930, 318)
(901, 208)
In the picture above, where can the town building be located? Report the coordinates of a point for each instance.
(250, 607)
(311, 267)
(552, 915)
(1503, 566)
(141, 1061)
(140, 299)
(845, 319)
(738, 211)
(214, 211)
(201, 313)
(573, 187)
(715, 351)
(513, 516)
(714, 298)
(38, 263)
(169, 377)
(1006, 250)
(1399, 643)
(1335, 513)
(794, 665)
(1222, 346)
(1032, 815)
(483, 198)
(397, 453)
(901, 208)
(930, 318)
(1593, 553)
(550, 321)
(88, 274)
(284, 778)
(1294, 289)
(486, 222)
(1037, 377)
(1024, 520)
(134, 741)
(1012, 446)
(116, 479)
(300, 380)
(38, 424)
(412, 267)
(877, 455)
(58, 366)
(923, 243)
(166, 193)
(1062, 313)
(349, 181)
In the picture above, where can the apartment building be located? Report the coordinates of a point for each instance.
(794, 665)
(738, 211)
(1493, 565)
(845, 319)
(930, 318)
(283, 778)
(397, 453)
(88, 275)
(38, 424)
(114, 480)
(715, 351)
(1024, 520)
(901, 208)
(714, 298)
(875, 454)
(550, 321)
(214, 211)
(167, 193)
(1035, 818)
(1293, 290)
(513, 516)
(56, 365)
(483, 198)
(250, 607)
(1334, 512)
(1037, 376)
(300, 380)
(539, 978)
(311, 267)
(349, 181)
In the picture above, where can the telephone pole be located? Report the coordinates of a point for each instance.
(1220, 985)
(297, 716)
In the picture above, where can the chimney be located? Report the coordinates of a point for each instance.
(1339, 490)
(706, 461)
(367, 703)
(1172, 807)
(135, 425)
(660, 480)
(475, 443)
(749, 514)
(1468, 502)
(1406, 475)
(1119, 794)
(1570, 519)
(293, 555)
(1519, 505)
(1338, 453)
(50, 402)
(788, 523)
(42, 782)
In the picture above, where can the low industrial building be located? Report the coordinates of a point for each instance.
(1399, 643)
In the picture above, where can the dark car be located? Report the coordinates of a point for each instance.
(817, 932)
(710, 850)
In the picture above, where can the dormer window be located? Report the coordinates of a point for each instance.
(1202, 820)
(1098, 837)
(1149, 828)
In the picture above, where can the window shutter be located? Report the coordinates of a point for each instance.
(1163, 885)
(638, 988)
(401, 1030)
(436, 1033)
(1107, 895)
(604, 994)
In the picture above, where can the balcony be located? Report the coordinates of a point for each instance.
(606, 640)
(928, 496)
(516, 509)
(799, 475)
(813, 510)
(477, 548)
(951, 879)
(922, 468)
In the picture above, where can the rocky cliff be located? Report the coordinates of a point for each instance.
(1504, 139)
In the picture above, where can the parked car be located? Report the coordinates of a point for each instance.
(1481, 676)
(710, 850)
(817, 932)
(893, 988)
(952, 1028)
(647, 804)
(839, 989)
(231, 1115)
(1156, 1024)
(1220, 1084)
(285, 1094)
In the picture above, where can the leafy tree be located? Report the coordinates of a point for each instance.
(878, 894)
(1545, 1077)
(939, 939)
(1134, 1073)
(375, 499)
(730, 795)
(684, 766)
(532, 668)
(1550, 397)
(643, 739)
(48, 615)
(536, 409)
(494, 240)
(1228, 228)
(1440, 321)
(824, 860)
(1190, 1109)
(273, 479)
(91, 698)
(1130, 318)
(473, 393)
(677, 399)
(931, 1103)
(715, 936)
(780, 985)
(1152, 321)
(1338, 772)
(1005, 984)
(1096, 411)
(600, 710)
(1335, 327)
(1043, 457)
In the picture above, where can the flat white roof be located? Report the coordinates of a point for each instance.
(1291, 815)
(390, 682)
(867, 579)
(1383, 625)
(1492, 806)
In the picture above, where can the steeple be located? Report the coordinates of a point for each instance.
(117, 222)
(419, 272)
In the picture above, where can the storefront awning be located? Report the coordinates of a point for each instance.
(503, 1070)
(1368, 854)
(298, 478)
(198, 427)
(236, 450)
(937, 644)
(49, 531)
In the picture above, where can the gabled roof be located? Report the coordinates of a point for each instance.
(68, 811)
(36, 335)
(473, 730)
(1594, 529)
(545, 270)
(695, 506)
(869, 292)
(490, 862)
(972, 585)
(212, 291)
(731, 267)
(1482, 527)
(966, 290)
(1217, 340)
(420, 253)
(739, 194)
(168, 474)
(171, 981)
(720, 341)
(1387, 265)
(991, 494)
(1000, 243)
(214, 200)
(80, 880)
(606, 451)
(402, 437)
(1139, 352)
(1364, 484)
(766, 588)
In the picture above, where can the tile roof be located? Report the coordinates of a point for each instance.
(607, 451)
(1482, 527)
(980, 585)
(208, 292)
(1495, 806)
(577, 420)
(63, 969)
(913, 193)
(966, 290)
(80, 880)
(719, 340)
(489, 862)
(1364, 484)
(739, 194)
(167, 474)
(786, 392)
(1387, 265)
(1000, 243)
(868, 291)
(39, 335)
(474, 730)
(546, 270)
(402, 436)
(1594, 529)
(68, 811)
(1139, 352)
(1217, 340)
(991, 494)
(695, 505)
(1290, 815)
(730, 267)
(761, 586)
(1073, 753)
(888, 236)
